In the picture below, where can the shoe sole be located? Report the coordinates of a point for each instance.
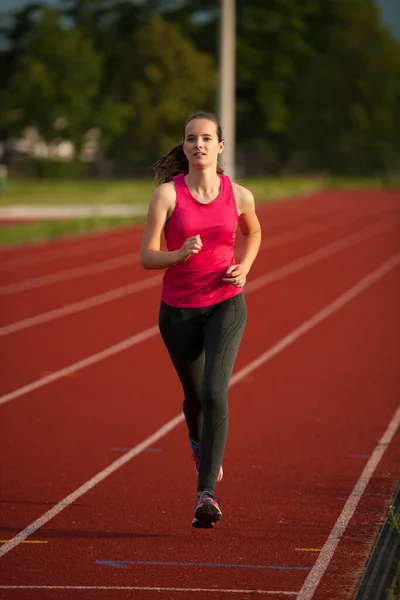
(207, 513)
(200, 525)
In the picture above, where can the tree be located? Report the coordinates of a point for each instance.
(317, 80)
(164, 80)
(54, 82)
(150, 70)
(348, 110)
(56, 86)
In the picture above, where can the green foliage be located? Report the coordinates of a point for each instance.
(394, 519)
(168, 62)
(271, 71)
(318, 81)
(50, 76)
(167, 79)
(348, 117)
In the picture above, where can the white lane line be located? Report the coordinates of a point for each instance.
(143, 284)
(82, 364)
(99, 267)
(83, 243)
(75, 307)
(324, 252)
(132, 288)
(145, 589)
(84, 247)
(321, 315)
(280, 273)
(87, 243)
(286, 341)
(314, 577)
(77, 250)
(126, 259)
(299, 232)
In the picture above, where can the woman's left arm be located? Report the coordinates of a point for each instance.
(251, 236)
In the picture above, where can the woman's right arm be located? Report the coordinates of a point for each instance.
(161, 206)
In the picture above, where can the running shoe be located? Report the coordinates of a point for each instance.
(206, 510)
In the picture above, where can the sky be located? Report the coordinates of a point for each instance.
(390, 8)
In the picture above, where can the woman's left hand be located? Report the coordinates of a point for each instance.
(236, 275)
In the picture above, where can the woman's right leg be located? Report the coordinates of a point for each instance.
(183, 335)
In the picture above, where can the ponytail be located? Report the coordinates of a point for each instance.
(171, 164)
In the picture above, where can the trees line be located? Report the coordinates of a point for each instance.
(318, 82)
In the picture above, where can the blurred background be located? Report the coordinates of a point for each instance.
(93, 92)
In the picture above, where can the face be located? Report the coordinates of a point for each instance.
(201, 145)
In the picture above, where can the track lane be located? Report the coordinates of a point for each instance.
(28, 303)
(21, 255)
(301, 278)
(303, 470)
(345, 275)
(35, 295)
(84, 252)
(57, 347)
(37, 269)
(30, 306)
(125, 251)
(54, 252)
(289, 209)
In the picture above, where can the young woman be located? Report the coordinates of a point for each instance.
(203, 311)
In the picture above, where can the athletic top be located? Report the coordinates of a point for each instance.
(197, 281)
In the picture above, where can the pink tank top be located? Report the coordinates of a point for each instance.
(197, 282)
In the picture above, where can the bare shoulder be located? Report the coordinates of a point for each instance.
(162, 201)
(244, 198)
(164, 193)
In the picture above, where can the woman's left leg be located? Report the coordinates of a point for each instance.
(224, 330)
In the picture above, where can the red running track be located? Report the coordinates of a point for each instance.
(312, 458)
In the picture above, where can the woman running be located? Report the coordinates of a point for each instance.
(203, 310)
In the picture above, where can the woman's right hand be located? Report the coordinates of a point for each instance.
(190, 246)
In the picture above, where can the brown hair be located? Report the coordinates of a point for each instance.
(175, 161)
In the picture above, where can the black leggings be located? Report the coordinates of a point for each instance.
(203, 344)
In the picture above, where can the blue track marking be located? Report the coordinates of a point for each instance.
(360, 455)
(123, 564)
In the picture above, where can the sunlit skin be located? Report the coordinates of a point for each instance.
(202, 149)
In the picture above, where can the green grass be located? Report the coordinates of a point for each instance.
(271, 189)
(394, 519)
(394, 592)
(131, 192)
(76, 192)
(70, 192)
(64, 193)
(351, 183)
(50, 230)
